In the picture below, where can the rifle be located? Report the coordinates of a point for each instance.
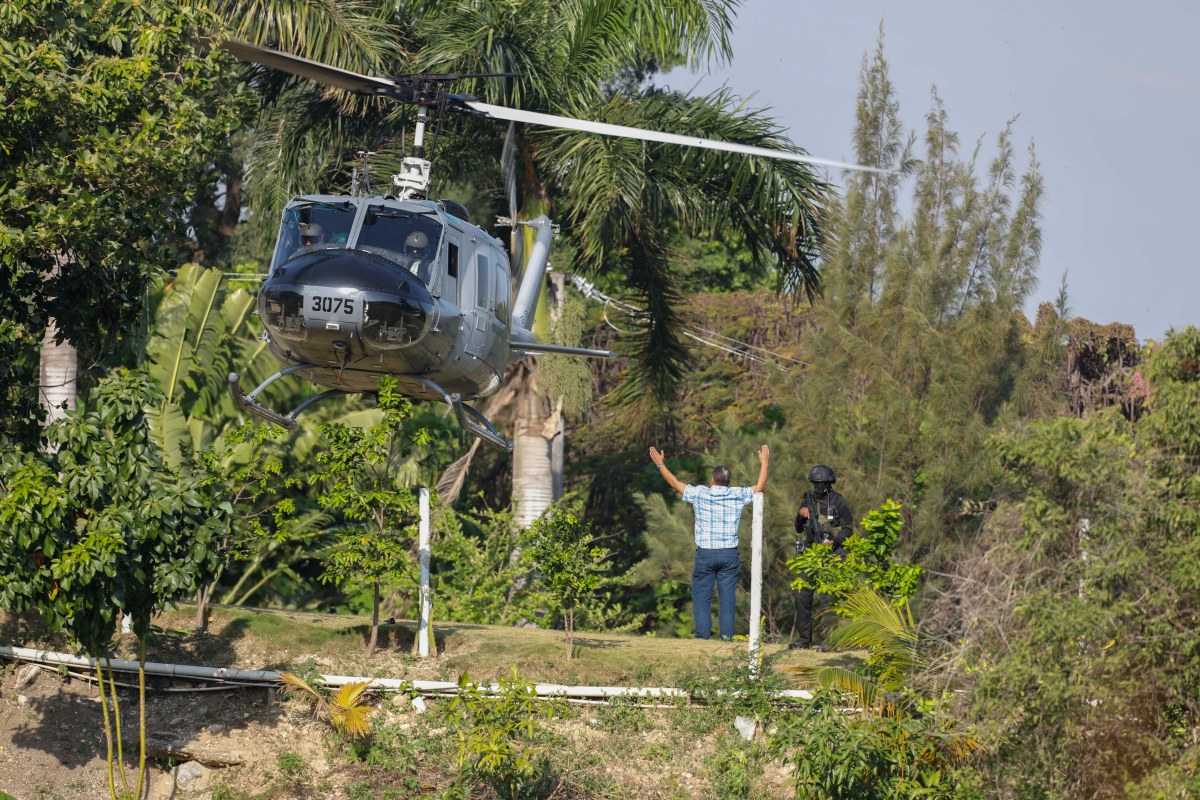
(811, 528)
(814, 532)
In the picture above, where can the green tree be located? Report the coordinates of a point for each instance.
(107, 108)
(497, 734)
(573, 568)
(473, 571)
(358, 477)
(103, 527)
(868, 561)
(921, 342)
(869, 757)
(1081, 598)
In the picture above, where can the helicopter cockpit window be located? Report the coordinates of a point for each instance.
(406, 237)
(313, 225)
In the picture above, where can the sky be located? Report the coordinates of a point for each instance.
(1108, 92)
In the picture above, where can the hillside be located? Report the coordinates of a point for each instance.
(51, 743)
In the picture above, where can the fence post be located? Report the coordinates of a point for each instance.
(426, 604)
(756, 563)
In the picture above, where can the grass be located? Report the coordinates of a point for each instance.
(306, 642)
(487, 652)
(610, 750)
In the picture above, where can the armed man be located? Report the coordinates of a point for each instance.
(824, 518)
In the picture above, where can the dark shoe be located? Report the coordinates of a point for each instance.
(816, 648)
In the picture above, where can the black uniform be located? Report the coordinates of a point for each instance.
(830, 521)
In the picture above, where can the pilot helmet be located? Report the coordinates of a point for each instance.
(310, 233)
(415, 244)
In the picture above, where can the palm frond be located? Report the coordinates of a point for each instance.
(348, 712)
(291, 683)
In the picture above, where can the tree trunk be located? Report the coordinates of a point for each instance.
(59, 368)
(569, 621)
(536, 428)
(59, 372)
(539, 441)
(202, 607)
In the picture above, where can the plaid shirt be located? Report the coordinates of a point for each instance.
(718, 511)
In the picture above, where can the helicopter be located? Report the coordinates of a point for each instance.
(363, 286)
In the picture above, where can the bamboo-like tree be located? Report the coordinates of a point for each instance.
(920, 343)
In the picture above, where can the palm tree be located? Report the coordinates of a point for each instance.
(618, 197)
(890, 634)
(578, 58)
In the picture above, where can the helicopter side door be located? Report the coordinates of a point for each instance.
(473, 294)
(476, 297)
(501, 306)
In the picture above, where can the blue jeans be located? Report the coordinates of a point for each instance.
(720, 567)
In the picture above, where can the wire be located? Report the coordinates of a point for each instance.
(705, 336)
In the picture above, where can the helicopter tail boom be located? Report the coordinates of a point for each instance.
(538, 347)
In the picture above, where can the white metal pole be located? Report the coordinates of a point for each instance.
(756, 559)
(426, 595)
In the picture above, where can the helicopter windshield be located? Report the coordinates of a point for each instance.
(410, 238)
(310, 226)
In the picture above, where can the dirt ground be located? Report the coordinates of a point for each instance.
(52, 744)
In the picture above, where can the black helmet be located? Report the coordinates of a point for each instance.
(821, 474)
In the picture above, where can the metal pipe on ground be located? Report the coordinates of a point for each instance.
(260, 678)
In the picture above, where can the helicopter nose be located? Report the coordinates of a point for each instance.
(330, 298)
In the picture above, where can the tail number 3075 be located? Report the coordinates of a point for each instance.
(332, 305)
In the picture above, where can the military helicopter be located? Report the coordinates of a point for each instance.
(399, 284)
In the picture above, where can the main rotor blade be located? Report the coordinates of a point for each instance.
(313, 70)
(625, 132)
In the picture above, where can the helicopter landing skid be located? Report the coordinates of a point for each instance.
(471, 420)
(248, 403)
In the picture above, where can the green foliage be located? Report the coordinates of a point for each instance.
(199, 330)
(497, 734)
(734, 768)
(921, 349)
(838, 755)
(1083, 599)
(474, 572)
(730, 689)
(575, 571)
(108, 109)
(291, 763)
(568, 378)
(358, 478)
(867, 561)
(102, 526)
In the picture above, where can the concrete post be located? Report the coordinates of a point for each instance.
(426, 604)
(756, 563)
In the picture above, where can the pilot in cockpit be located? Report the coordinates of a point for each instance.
(416, 247)
(310, 234)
